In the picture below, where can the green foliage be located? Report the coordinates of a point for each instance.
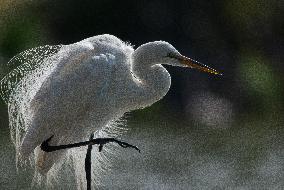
(20, 36)
(261, 82)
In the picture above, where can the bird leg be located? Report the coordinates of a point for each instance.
(88, 164)
(100, 141)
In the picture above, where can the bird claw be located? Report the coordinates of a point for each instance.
(103, 141)
(127, 145)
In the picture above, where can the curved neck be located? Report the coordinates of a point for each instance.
(152, 85)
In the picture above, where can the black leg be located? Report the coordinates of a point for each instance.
(88, 164)
(100, 141)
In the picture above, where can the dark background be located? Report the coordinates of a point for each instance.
(231, 124)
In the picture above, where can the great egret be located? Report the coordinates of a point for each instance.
(66, 93)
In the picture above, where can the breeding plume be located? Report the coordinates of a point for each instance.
(60, 95)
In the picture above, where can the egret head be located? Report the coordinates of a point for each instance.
(160, 52)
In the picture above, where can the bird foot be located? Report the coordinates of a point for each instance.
(103, 141)
(100, 141)
(88, 163)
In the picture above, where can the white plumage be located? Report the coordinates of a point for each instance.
(80, 88)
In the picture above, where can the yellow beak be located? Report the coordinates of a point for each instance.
(196, 65)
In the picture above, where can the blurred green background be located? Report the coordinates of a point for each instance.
(208, 132)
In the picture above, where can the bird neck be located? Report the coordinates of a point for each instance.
(152, 85)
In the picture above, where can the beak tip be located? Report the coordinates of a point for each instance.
(197, 65)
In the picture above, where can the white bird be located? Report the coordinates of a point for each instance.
(78, 89)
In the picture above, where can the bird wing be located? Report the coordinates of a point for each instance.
(23, 63)
(73, 87)
(65, 97)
